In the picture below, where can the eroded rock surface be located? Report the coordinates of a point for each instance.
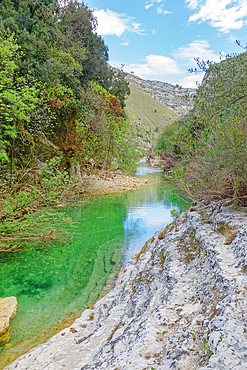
(8, 309)
(180, 304)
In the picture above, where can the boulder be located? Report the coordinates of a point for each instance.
(8, 310)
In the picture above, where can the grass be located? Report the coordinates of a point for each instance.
(147, 115)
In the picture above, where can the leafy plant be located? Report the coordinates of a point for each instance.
(211, 140)
(174, 213)
(61, 106)
(34, 231)
(17, 97)
(206, 347)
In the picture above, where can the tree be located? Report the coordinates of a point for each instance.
(58, 55)
(118, 85)
(17, 97)
(211, 139)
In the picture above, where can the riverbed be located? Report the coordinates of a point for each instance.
(56, 284)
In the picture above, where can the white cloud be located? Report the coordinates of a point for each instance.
(231, 39)
(153, 32)
(160, 10)
(112, 23)
(193, 4)
(175, 71)
(151, 3)
(223, 14)
(125, 43)
(157, 66)
(197, 48)
(191, 80)
(136, 27)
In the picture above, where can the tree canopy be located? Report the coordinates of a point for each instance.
(211, 140)
(61, 105)
(51, 59)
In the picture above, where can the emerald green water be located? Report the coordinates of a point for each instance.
(54, 286)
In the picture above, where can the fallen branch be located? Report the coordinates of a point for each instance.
(233, 200)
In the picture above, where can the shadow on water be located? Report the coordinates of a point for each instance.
(54, 286)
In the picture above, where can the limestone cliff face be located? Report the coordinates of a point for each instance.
(180, 304)
(177, 98)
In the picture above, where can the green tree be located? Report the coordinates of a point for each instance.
(118, 85)
(17, 97)
(211, 140)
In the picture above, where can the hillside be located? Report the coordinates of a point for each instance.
(175, 97)
(147, 116)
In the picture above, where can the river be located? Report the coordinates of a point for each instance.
(53, 286)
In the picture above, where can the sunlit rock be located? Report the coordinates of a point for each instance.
(8, 309)
(178, 304)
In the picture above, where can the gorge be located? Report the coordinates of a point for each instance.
(178, 304)
(54, 284)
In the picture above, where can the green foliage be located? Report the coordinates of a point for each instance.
(211, 140)
(174, 213)
(60, 104)
(51, 57)
(104, 131)
(55, 181)
(34, 231)
(17, 97)
(60, 46)
(47, 190)
(206, 347)
(118, 85)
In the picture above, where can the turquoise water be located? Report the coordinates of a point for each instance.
(54, 285)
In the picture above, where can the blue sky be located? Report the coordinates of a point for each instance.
(158, 39)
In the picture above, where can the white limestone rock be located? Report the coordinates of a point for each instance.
(8, 310)
(179, 304)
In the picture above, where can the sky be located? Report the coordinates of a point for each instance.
(159, 39)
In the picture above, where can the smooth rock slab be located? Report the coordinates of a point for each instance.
(8, 310)
(179, 304)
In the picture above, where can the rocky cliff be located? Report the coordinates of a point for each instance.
(175, 97)
(148, 117)
(179, 304)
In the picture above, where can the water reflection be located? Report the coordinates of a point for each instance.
(53, 286)
(144, 169)
(149, 211)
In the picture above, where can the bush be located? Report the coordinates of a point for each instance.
(211, 140)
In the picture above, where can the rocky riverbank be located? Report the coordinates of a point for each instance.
(106, 182)
(179, 304)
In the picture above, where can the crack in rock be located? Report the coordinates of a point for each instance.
(179, 304)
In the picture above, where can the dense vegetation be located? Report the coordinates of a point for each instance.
(210, 142)
(61, 112)
(61, 104)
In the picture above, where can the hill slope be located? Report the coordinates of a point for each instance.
(147, 116)
(175, 97)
